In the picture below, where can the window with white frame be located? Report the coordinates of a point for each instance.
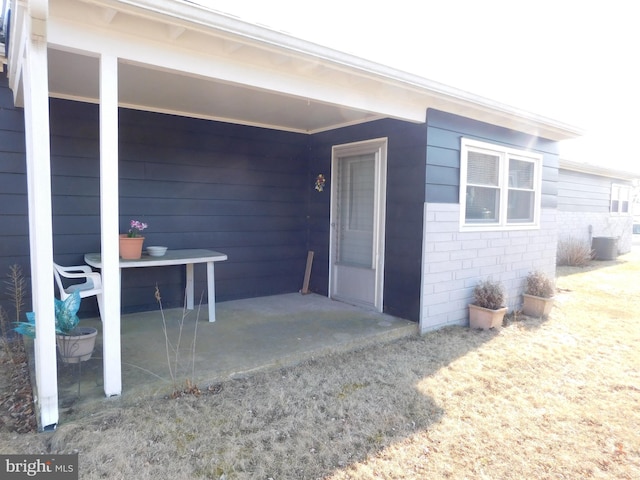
(620, 198)
(499, 187)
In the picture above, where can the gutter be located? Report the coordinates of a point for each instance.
(582, 167)
(190, 14)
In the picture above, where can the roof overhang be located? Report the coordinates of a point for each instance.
(181, 58)
(588, 168)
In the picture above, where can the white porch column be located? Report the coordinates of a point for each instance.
(36, 115)
(112, 366)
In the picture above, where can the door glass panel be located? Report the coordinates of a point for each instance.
(356, 210)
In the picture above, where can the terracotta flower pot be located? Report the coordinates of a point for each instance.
(536, 306)
(485, 318)
(78, 346)
(130, 247)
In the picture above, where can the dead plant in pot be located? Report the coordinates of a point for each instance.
(488, 308)
(539, 291)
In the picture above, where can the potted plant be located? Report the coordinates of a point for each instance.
(131, 242)
(75, 344)
(539, 291)
(488, 308)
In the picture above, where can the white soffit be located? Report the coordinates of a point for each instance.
(142, 87)
(177, 57)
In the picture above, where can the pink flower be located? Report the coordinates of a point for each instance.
(136, 227)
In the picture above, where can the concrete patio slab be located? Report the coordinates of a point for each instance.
(248, 336)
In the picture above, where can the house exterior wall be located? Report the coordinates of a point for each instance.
(14, 223)
(198, 184)
(245, 191)
(453, 261)
(584, 202)
(405, 199)
(249, 192)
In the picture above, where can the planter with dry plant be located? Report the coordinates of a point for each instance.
(539, 291)
(488, 308)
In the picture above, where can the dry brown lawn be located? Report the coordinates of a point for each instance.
(544, 399)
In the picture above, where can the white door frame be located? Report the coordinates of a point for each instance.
(379, 147)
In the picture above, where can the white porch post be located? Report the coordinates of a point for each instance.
(112, 366)
(36, 114)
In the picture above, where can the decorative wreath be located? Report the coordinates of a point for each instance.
(320, 181)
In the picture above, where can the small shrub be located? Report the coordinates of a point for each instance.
(539, 284)
(173, 351)
(16, 291)
(489, 294)
(573, 253)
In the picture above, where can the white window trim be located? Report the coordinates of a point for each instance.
(504, 153)
(624, 194)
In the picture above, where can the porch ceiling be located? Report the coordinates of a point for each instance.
(144, 87)
(180, 58)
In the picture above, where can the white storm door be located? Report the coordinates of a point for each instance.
(358, 223)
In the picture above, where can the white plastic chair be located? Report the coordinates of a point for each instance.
(91, 286)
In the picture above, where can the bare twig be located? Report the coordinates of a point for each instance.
(173, 352)
(4, 335)
(16, 291)
(168, 345)
(180, 327)
(195, 336)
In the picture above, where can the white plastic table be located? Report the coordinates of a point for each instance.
(187, 257)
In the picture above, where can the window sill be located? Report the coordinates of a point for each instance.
(498, 228)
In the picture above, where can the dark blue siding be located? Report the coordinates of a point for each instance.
(444, 131)
(14, 224)
(405, 201)
(244, 191)
(198, 184)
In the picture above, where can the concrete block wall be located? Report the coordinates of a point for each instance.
(576, 225)
(453, 262)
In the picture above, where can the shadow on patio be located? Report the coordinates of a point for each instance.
(249, 335)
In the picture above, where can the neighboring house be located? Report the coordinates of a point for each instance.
(214, 132)
(595, 201)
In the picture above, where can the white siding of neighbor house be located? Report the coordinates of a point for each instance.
(576, 225)
(453, 262)
(584, 201)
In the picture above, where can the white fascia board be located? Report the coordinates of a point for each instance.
(426, 93)
(581, 167)
(161, 55)
(477, 107)
(525, 121)
(17, 42)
